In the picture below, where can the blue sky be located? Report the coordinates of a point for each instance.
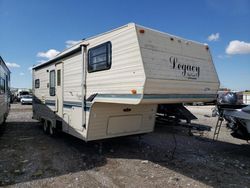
(32, 31)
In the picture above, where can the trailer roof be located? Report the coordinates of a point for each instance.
(2, 62)
(74, 49)
(77, 47)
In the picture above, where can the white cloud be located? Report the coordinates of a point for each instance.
(213, 37)
(30, 69)
(49, 54)
(238, 47)
(12, 65)
(41, 61)
(21, 74)
(222, 56)
(70, 43)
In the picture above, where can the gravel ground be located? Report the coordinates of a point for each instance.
(168, 157)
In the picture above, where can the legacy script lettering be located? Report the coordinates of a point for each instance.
(188, 71)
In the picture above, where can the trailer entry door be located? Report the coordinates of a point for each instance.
(59, 89)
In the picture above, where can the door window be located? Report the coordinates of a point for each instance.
(2, 85)
(52, 83)
(37, 83)
(59, 77)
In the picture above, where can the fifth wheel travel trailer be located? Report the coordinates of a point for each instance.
(4, 91)
(110, 85)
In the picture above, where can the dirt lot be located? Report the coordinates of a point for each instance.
(29, 158)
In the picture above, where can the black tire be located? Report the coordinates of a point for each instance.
(52, 131)
(45, 127)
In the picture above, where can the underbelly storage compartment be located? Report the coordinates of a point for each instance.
(124, 124)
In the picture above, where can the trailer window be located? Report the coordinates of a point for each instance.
(2, 86)
(7, 83)
(59, 77)
(37, 83)
(52, 83)
(100, 57)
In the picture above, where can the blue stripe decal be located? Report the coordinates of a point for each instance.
(129, 96)
(73, 103)
(50, 102)
(70, 104)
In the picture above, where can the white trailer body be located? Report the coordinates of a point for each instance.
(110, 85)
(4, 91)
(246, 98)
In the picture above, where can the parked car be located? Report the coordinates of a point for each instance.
(26, 99)
(20, 94)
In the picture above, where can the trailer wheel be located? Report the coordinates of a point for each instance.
(45, 127)
(52, 131)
